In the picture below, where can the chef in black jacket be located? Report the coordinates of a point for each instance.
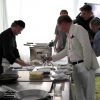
(8, 46)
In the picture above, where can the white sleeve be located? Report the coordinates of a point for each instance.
(60, 55)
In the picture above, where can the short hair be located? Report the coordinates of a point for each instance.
(65, 19)
(18, 23)
(95, 21)
(64, 11)
(86, 7)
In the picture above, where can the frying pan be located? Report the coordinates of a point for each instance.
(31, 94)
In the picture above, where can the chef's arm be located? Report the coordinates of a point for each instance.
(59, 55)
(21, 62)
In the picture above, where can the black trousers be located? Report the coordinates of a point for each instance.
(1, 69)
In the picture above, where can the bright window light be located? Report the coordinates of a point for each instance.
(40, 17)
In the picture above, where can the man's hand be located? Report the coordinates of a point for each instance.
(21, 62)
(44, 59)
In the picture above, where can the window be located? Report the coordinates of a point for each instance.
(40, 17)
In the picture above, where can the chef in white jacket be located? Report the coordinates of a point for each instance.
(81, 56)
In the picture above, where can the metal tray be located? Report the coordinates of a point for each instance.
(33, 94)
(8, 78)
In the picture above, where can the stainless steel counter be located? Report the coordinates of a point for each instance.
(31, 85)
(47, 84)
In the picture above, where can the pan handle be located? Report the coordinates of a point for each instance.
(9, 88)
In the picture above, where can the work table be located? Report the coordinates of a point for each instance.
(47, 84)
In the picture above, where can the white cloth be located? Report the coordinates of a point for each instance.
(5, 64)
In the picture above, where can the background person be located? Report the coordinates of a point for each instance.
(95, 27)
(84, 19)
(9, 53)
(60, 37)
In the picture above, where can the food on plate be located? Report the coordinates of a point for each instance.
(36, 75)
(35, 62)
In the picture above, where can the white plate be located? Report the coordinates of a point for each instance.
(44, 69)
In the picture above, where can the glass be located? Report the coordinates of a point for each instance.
(57, 89)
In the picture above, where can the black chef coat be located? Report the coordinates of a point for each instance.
(8, 47)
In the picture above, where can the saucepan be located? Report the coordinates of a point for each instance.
(31, 94)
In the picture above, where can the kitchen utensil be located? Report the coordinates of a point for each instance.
(46, 62)
(26, 68)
